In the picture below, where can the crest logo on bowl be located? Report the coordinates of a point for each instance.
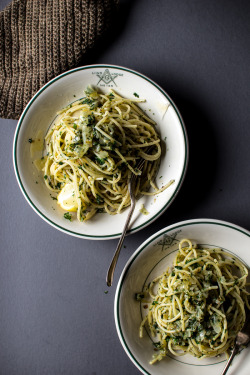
(168, 240)
(106, 78)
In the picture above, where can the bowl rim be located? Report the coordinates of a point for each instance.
(138, 252)
(84, 235)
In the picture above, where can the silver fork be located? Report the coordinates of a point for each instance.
(242, 338)
(131, 188)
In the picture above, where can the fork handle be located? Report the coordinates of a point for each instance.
(234, 352)
(110, 273)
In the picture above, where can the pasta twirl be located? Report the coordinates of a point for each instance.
(200, 303)
(92, 149)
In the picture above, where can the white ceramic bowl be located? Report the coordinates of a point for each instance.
(66, 88)
(149, 261)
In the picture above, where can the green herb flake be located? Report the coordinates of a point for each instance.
(91, 120)
(157, 344)
(139, 296)
(99, 199)
(136, 95)
(30, 140)
(100, 161)
(89, 102)
(111, 96)
(67, 216)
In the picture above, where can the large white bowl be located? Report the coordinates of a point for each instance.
(66, 88)
(150, 260)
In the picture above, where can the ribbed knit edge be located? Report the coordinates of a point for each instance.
(41, 39)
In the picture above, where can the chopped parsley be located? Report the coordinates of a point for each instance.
(111, 96)
(139, 296)
(178, 267)
(90, 120)
(67, 216)
(99, 199)
(157, 345)
(87, 101)
(91, 103)
(100, 161)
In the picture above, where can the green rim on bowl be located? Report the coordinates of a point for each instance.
(33, 204)
(134, 262)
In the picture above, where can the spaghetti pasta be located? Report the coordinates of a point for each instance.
(199, 306)
(92, 149)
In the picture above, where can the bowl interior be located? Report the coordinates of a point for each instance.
(150, 260)
(68, 87)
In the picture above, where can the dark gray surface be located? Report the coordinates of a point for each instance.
(54, 315)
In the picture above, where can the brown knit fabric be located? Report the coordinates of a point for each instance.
(40, 39)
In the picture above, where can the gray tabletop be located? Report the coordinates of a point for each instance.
(55, 317)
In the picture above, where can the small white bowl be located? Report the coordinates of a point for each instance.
(151, 259)
(66, 88)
